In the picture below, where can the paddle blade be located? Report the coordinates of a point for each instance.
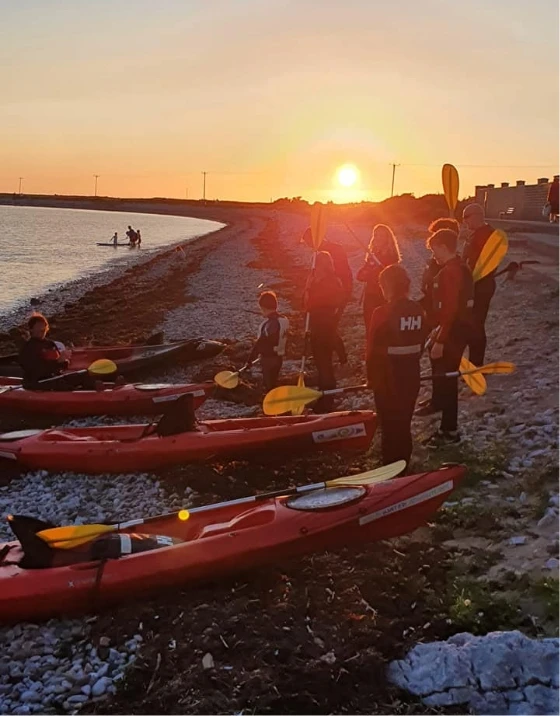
(318, 224)
(300, 384)
(103, 366)
(385, 472)
(498, 368)
(473, 378)
(288, 397)
(492, 253)
(450, 181)
(227, 379)
(71, 536)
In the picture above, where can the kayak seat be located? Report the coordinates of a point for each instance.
(250, 518)
(60, 436)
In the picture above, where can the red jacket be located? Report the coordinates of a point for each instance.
(453, 297)
(341, 266)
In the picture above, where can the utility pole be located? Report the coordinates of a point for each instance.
(96, 178)
(187, 193)
(393, 179)
(20, 180)
(204, 185)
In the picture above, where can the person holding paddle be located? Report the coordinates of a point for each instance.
(432, 267)
(479, 233)
(383, 250)
(270, 346)
(453, 301)
(344, 274)
(394, 347)
(324, 299)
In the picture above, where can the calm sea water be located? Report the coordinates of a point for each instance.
(41, 248)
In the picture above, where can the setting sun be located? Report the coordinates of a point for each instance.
(347, 175)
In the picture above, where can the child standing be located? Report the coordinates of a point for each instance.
(271, 340)
(395, 343)
(453, 301)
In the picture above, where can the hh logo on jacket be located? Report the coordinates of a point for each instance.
(411, 323)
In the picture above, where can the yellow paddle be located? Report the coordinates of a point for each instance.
(229, 379)
(492, 253)
(72, 536)
(288, 398)
(473, 378)
(100, 367)
(450, 181)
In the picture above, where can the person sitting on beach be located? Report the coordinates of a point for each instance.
(271, 341)
(115, 239)
(40, 357)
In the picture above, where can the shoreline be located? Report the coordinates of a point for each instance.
(319, 627)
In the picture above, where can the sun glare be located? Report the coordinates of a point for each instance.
(347, 175)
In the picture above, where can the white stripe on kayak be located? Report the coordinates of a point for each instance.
(416, 500)
(126, 544)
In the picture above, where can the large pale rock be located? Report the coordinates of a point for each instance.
(500, 673)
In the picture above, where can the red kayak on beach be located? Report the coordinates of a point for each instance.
(129, 448)
(225, 539)
(132, 399)
(128, 358)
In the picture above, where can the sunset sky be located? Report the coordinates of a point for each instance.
(270, 97)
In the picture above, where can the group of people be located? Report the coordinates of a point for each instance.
(134, 237)
(449, 316)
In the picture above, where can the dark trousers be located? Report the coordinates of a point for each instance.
(445, 392)
(322, 346)
(394, 411)
(339, 347)
(483, 292)
(270, 367)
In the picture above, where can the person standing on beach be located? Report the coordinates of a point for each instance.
(271, 342)
(131, 236)
(383, 250)
(115, 239)
(324, 299)
(453, 302)
(138, 238)
(553, 199)
(344, 274)
(395, 343)
(478, 234)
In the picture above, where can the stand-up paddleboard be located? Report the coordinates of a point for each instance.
(112, 244)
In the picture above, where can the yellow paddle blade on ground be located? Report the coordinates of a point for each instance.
(450, 181)
(103, 366)
(227, 379)
(385, 472)
(71, 536)
(492, 253)
(476, 381)
(318, 224)
(287, 398)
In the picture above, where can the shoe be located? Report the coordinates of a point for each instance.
(427, 409)
(443, 438)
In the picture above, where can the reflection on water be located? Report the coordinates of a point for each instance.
(42, 247)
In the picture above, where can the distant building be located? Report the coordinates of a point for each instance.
(526, 200)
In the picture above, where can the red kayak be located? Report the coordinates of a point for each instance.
(227, 538)
(128, 358)
(135, 399)
(129, 448)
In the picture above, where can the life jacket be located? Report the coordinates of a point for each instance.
(460, 275)
(37, 554)
(280, 348)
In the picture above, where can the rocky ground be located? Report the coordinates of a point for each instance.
(316, 635)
